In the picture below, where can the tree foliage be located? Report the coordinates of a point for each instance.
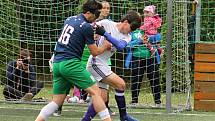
(36, 25)
(9, 33)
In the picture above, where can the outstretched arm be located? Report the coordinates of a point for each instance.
(119, 44)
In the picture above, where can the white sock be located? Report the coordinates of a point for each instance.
(48, 110)
(104, 114)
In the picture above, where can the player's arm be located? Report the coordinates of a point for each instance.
(94, 50)
(120, 44)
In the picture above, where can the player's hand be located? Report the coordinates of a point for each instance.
(100, 30)
(107, 45)
(96, 37)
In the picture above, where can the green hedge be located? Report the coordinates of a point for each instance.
(9, 33)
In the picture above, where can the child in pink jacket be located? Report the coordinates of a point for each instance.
(152, 22)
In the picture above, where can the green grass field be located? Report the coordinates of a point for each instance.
(71, 112)
(28, 112)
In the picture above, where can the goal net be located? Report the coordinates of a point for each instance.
(35, 25)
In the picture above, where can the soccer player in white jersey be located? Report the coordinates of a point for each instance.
(118, 35)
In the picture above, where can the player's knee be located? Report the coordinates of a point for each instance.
(104, 94)
(105, 99)
(121, 86)
(95, 92)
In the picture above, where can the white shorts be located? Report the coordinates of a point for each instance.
(100, 72)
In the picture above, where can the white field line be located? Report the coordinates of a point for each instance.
(69, 119)
(131, 112)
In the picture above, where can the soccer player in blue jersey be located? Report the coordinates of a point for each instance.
(67, 68)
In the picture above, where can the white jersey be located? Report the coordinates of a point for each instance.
(111, 28)
(98, 66)
(51, 63)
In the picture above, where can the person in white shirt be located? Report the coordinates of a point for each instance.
(118, 35)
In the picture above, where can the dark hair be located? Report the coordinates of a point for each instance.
(24, 53)
(133, 19)
(91, 6)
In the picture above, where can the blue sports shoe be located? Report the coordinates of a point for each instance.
(128, 118)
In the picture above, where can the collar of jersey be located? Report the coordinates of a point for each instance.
(83, 17)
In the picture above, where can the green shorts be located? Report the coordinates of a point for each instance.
(68, 73)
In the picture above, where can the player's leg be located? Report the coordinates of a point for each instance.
(56, 102)
(61, 87)
(98, 103)
(106, 76)
(91, 113)
(84, 81)
(57, 112)
(98, 75)
(51, 107)
(103, 93)
(105, 96)
(119, 86)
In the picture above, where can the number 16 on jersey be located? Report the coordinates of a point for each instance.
(65, 35)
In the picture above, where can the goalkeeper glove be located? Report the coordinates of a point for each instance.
(100, 30)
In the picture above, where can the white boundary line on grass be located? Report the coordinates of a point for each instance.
(50, 117)
(70, 118)
(179, 114)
